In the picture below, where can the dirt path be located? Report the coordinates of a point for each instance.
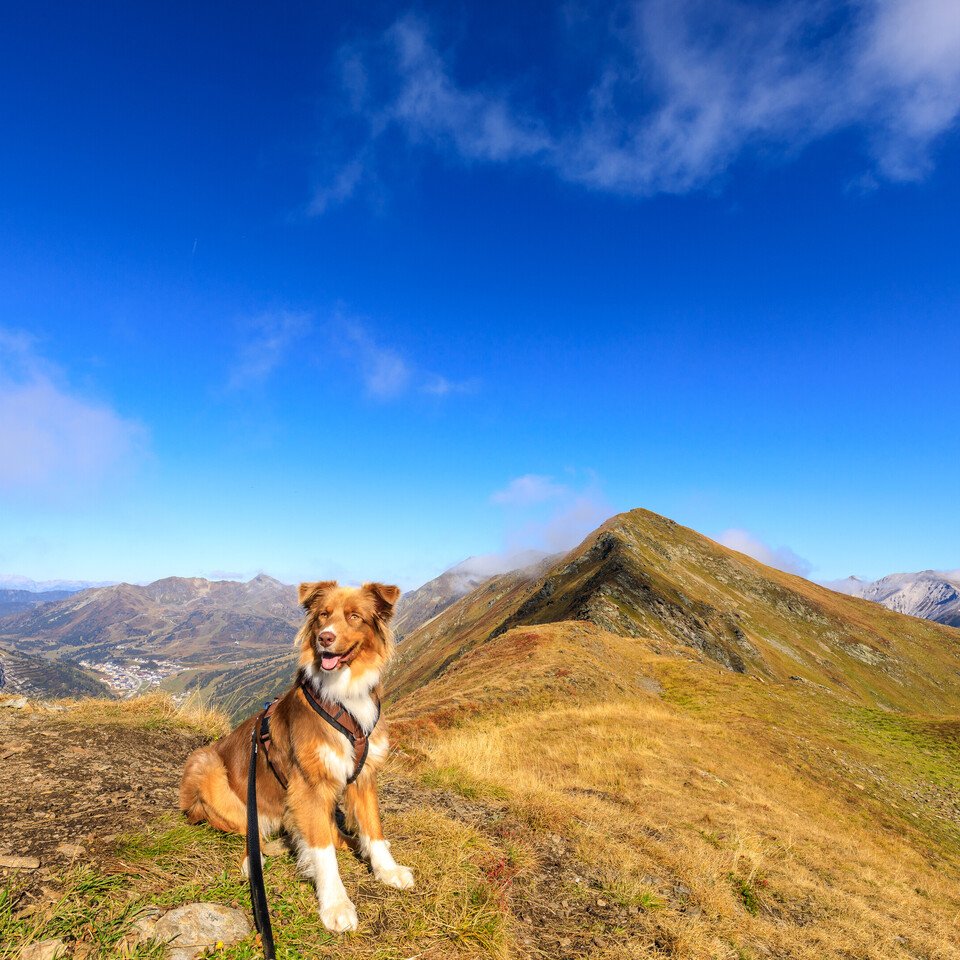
(67, 790)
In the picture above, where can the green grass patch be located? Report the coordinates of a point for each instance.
(459, 781)
(745, 889)
(457, 910)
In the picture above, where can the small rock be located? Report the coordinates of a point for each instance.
(17, 703)
(71, 850)
(19, 863)
(191, 929)
(44, 950)
(273, 848)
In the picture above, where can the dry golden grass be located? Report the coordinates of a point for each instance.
(658, 801)
(151, 711)
(724, 807)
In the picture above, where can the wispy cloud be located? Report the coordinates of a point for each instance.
(783, 558)
(439, 386)
(54, 441)
(528, 489)
(682, 89)
(385, 371)
(267, 340)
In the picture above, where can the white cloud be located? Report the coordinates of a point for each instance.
(682, 92)
(479, 124)
(542, 514)
(783, 558)
(268, 340)
(528, 489)
(54, 441)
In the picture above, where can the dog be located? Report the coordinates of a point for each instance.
(310, 766)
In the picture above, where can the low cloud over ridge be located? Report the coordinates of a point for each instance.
(782, 558)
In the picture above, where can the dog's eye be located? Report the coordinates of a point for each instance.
(326, 613)
(355, 617)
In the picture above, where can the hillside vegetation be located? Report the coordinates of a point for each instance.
(656, 747)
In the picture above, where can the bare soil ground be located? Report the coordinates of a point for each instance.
(68, 790)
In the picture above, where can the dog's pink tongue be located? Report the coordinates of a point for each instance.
(329, 661)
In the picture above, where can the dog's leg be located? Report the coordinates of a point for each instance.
(363, 809)
(311, 808)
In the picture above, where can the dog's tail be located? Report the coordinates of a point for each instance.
(205, 793)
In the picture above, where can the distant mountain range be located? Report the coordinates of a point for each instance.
(138, 636)
(233, 641)
(929, 594)
(15, 601)
(12, 581)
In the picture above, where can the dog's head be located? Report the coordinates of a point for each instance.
(346, 627)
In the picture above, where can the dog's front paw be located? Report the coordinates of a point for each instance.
(245, 866)
(396, 876)
(339, 916)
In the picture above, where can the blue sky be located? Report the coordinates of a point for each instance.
(360, 291)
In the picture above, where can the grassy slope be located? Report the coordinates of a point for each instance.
(746, 818)
(568, 791)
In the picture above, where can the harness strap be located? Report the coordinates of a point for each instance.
(262, 733)
(346, 723)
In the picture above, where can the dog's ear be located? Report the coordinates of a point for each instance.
(385, 597)
(310, 593)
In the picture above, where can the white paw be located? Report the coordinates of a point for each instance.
(339, 916)
(396, 876)
(245, 868)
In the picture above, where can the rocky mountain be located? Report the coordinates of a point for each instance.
(680, 594)
(16, 601)
(418, 606)
(929, 594)
(135, 637)
(644, 576)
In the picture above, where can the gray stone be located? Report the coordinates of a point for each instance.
(17, 703)
(191, 929)
(18, 863)
(44, 950)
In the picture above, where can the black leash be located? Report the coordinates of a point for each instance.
(258, 893)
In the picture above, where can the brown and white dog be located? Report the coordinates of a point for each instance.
(345, 642)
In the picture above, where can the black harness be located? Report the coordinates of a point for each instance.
(343, 722)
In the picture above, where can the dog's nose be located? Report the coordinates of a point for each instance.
(327, 637)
